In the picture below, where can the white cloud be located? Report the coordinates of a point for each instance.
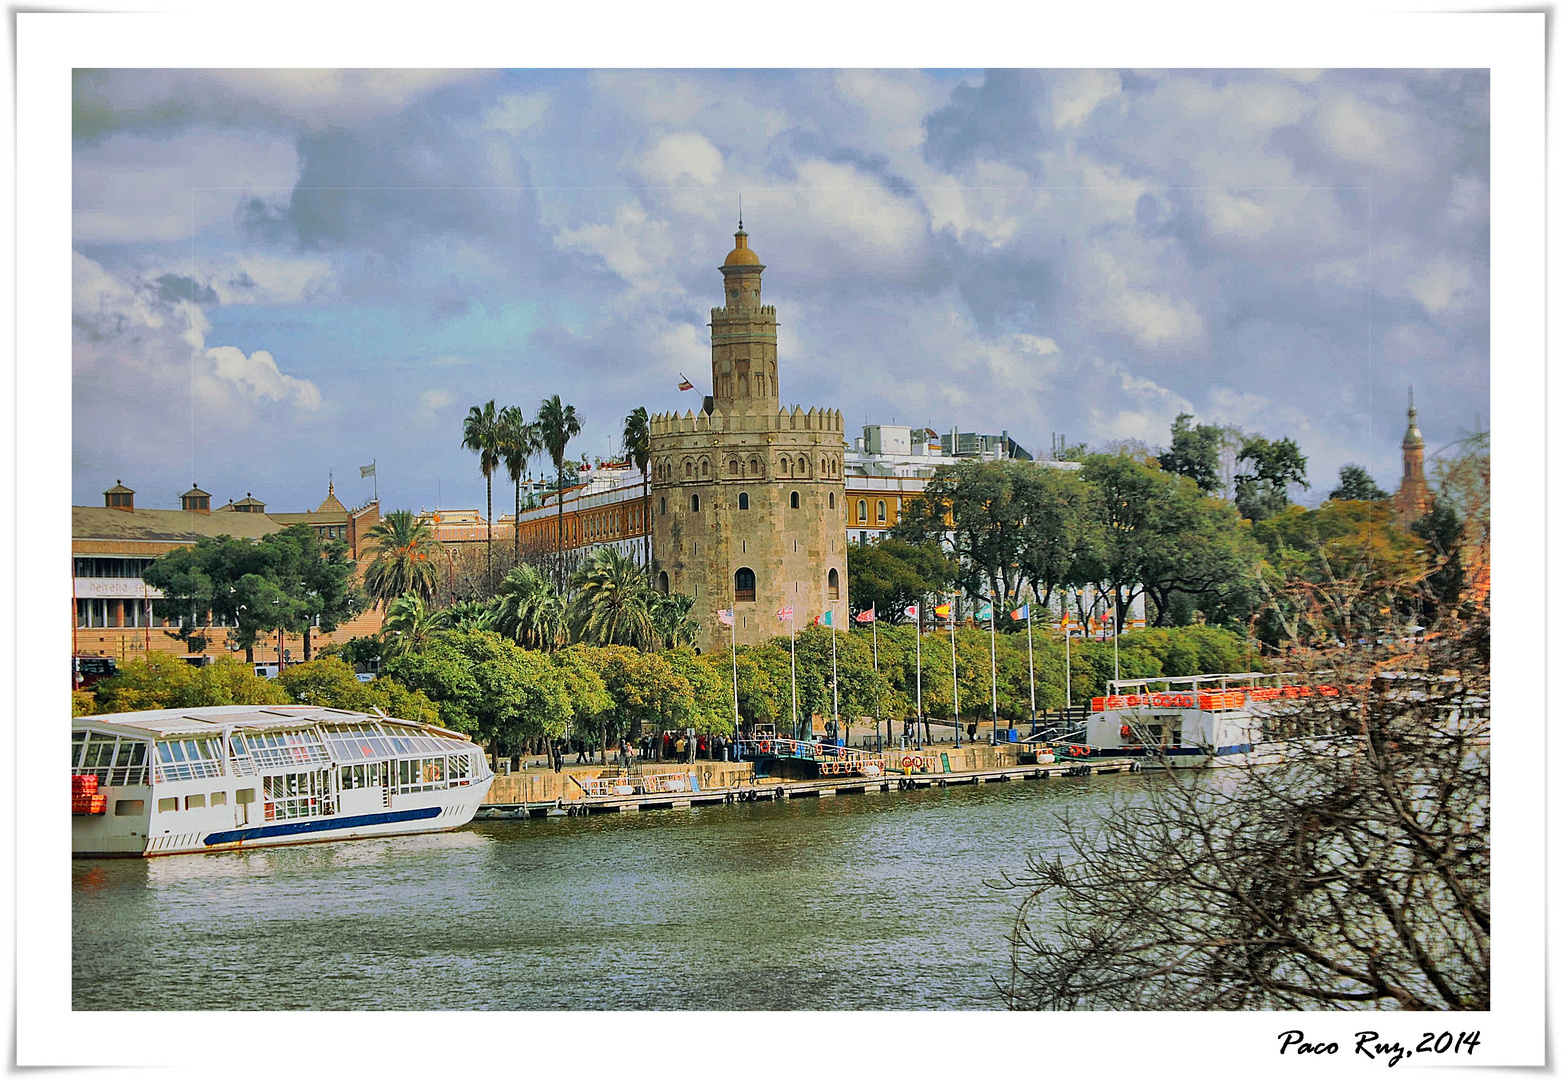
(434, 400)
(327, 97)
(1365, 134)
(634, 246)
(1153, 319)
(513, 114)
(1441, 285)
(1237, 217)
(684, 154)
(259, 374)
(1077, 95)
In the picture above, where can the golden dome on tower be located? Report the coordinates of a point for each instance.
(742, 254)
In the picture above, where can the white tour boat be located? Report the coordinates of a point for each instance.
(1188, 721)
(167, 781)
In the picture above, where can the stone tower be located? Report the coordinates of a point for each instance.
(748, 498)
(1413, 499)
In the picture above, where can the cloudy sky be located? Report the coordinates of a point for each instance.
(280, 274)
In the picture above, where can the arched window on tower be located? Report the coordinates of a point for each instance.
(834, 584)
(704, 468)
(802, 466)
(742, 500)
(753, 466)
(831, 500)
(796, 501)
(746, 586)
(662, 584)
(731, 467)
(693, 504)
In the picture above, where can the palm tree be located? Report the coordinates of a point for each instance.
(636, 441)
(529, 611)
(517, 442)
(612, 601)
(468, 615)
(409, 623)
(556, 424)
(673, 616)
(481, 436)
(404, 550)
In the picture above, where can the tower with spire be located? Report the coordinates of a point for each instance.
(1413, 499)
(748, 496)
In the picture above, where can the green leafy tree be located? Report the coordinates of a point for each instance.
(160, 681)
(556, 425)
(482, 434)
(1195, 453)
(1268, 470)
(612, 604)
(588, 695)
(1356, 483)
(891, 575)
(317, 579)
(529, 611)
(329, 682)
(710, 709)
(1340, 571)
(636, 443)
(672, 614)
(410, 624)
(1057, 530)
(972, 506)
(404, 558)
(517, 441)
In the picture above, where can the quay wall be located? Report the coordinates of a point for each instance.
(537, 785)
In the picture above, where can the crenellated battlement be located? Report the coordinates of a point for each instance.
(793, 419)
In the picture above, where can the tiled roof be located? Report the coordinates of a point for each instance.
(104, 523)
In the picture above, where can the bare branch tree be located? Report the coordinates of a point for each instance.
(1352, 870)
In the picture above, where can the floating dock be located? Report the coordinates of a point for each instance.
(753, 790)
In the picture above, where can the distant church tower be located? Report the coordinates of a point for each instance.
(748, 498)
(1413, 500)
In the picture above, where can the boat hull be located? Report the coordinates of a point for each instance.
(430, 812)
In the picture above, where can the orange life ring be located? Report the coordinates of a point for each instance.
(906, 761)
(916, 763)
(764, 746)
(1127, 731)
(1076, 750)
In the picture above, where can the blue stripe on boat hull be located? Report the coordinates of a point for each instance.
(333, 824)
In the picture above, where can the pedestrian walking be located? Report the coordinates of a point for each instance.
(558, 758)
(580, 757)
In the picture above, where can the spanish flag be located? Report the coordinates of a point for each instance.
(684, 384)
(941, 611)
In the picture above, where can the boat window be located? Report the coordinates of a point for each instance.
(100, 752)
(165, 805)
(194, 802)
(296, 795)
(219, 798)
(78, 739)
(244, 796)
(177, 750)
(129, 807)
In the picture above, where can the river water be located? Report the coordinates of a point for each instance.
(873, 901)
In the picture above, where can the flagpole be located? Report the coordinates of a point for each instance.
(991, 610)
(737, 720)
(1029, 629)
(1116, 632)
(954, 662)
(1067, 653)
(921, 602)
(374, 464)
(794, 675)
(874, 610)
(834, 670)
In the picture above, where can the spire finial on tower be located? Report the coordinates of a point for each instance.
(739, 211)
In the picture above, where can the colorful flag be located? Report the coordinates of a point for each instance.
(1064, 623)
(870, 615)
(366, 471)
(826, 619)
(1021, 613)
(912, 611)
(684, 384)
(941, 611)
(724, 616)
(984, 611)
(784, 614)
